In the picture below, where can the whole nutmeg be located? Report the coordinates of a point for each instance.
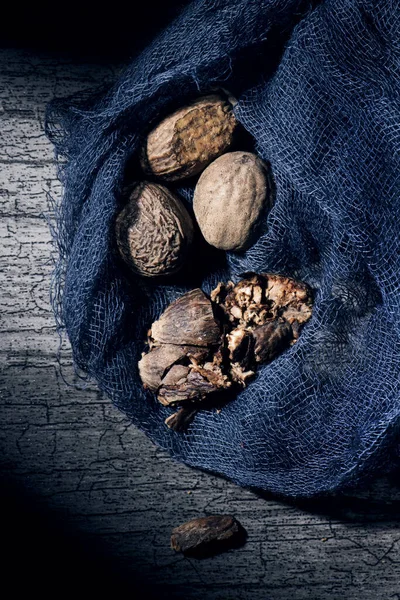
(154, 231)
(185, 142)
(229, 199)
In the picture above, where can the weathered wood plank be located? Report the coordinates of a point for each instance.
(76, 456)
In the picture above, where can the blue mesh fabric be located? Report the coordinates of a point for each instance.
(318, 87)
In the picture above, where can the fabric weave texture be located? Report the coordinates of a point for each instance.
(318, 88)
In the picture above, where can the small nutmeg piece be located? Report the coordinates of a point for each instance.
(153, 366)
(154, 231)
(180, 420)
(186, 141)
(206, 536)
(230, 198)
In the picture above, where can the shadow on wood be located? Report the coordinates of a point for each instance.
(50, 554)
(373, 503)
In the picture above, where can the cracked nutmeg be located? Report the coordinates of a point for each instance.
(263, 315)
(186, 141)
(201, 345)
(154, 231)
(184, 360)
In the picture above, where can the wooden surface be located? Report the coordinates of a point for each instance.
(100, 496)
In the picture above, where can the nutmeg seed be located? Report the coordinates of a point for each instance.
(186, 141)
(206, 536)
(154, 231)
(230, 197)
(189, 320)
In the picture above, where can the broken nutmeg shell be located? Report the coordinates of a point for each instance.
(183, 362)
(201, 345)
(180, 420)
(189, 320)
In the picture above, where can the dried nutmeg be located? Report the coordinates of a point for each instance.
(180, 420)
(153, 366)
(261, 297)
(185, 142)
(206, 536)
(154, 231)
(230, 198)
(188, 320)
(201, 345)
(266, 313)
(183, 362)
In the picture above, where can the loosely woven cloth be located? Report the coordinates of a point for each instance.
(318, 87)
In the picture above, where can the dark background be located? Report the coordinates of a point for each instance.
(87, 30)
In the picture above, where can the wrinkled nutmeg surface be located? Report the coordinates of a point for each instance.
(154, 231)
(185, 142)
(230, 197)
(207, 535)
(203, 345)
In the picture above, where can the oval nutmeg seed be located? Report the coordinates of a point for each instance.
(154, 231)
(229, 199)
(184, 143)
